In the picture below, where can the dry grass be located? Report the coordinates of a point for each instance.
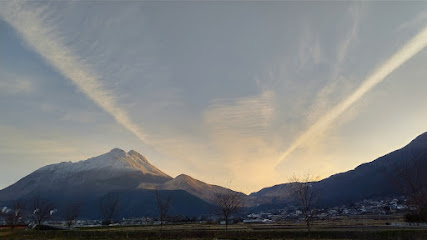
(338, 229)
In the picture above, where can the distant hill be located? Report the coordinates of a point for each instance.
(196, 187)
(374, 179)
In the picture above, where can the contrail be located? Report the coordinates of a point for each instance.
(411, 48)
(44, 40)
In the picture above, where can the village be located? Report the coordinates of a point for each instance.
(383, 207)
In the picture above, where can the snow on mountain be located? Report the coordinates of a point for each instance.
(116, 159)
(112, 171)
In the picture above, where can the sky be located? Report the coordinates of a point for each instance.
(240, 94)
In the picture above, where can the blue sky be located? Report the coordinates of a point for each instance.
(240, 94)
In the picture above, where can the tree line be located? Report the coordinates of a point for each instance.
(37, 210)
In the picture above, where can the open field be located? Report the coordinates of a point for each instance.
(238, 231)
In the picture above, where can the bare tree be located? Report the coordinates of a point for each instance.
(43, 209)
(305, 196)
(412, 182)
(70, 213)
(15, 215)
(163, 206)
(228, 204)
(109, 207)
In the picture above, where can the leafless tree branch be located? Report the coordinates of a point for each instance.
(229, 203)
(109, 207)
(70, 213)
(42, 209)
(163, 206)
(15, 215)
(305, 196)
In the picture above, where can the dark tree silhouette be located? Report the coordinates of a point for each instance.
(70, 213)
(109, 207)
(228, 204)
(163, 206)
(42, 209)
(412, 181)
(15, 215)
(305, 196)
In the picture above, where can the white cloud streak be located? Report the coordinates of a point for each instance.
(44, 39)
(411, 48)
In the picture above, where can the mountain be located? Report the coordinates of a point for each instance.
(195, 187)
(141, 202)
(128, 174)
(115, 170)
(374, 179)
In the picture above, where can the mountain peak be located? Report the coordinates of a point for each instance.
(183, 176)
(132, 160)
(131, 152)
(184, 181)
(116, 160)
(117, 152)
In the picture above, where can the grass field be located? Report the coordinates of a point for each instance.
(238, 231)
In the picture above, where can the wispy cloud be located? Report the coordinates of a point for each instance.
(13, 84)
(354, 12)
(309, 50)
(336, 80)
(417, 21)
(411, 48)
(47, 41)
(246, 116)
(239, 131)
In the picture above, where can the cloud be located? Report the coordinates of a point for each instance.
(309, 51)
(13, 84)
(47, 41)
(419, 20)
(411, 48)
(245, 117)
(239, 131)
(336, 81)
(354, 12)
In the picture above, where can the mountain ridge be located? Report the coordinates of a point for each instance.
(116, 158)
(374, 178)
